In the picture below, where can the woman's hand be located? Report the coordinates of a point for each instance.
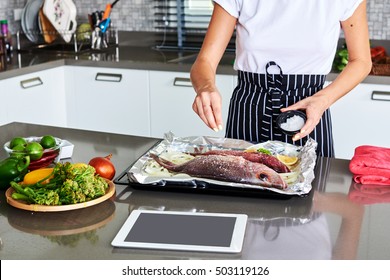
(207, 105)
(314, 106)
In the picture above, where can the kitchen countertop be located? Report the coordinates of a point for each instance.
(136, 50)
(326, 224)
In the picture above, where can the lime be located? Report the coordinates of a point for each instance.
(18, 151)
(34, 150)
(17, 141)
(48, 141)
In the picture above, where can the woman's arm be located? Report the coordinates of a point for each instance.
(359, 66)
(208, 102)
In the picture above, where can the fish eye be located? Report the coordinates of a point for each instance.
(263, 176)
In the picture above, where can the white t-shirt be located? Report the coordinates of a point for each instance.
(299, 35)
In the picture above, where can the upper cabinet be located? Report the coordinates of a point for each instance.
(171, 98)
(108, 99)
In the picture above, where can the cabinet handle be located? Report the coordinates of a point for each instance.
(33, 82)
(380, 95)
(182, 82)
(107, 77)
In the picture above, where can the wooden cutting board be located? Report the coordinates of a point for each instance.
(49, 33)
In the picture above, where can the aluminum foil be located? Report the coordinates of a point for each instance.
(304, 170)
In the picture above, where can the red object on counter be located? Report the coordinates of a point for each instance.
(371, 165)
(378, 53)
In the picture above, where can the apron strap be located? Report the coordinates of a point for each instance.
(274, 82)
(274, 78)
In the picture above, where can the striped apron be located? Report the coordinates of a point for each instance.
(256, 103)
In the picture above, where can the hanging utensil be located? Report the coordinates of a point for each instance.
(107, 11)
(104, 24)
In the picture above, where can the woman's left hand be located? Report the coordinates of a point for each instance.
(314, 106)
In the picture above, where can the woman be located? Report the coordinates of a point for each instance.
(284, 50)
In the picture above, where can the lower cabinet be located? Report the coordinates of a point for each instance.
(109, 100)
(361, 118)
(3, 96)
(37, 98)
(171, 98)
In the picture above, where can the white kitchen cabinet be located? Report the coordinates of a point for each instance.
(361, 118)
(37, 98)
(3, 112)
(171, 98)
(108, 99)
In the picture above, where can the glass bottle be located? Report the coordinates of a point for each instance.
(6, 36)
(2, 45)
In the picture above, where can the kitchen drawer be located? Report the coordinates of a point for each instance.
(37, 98)
(109, 100)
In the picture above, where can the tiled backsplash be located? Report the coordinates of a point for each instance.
(137, 15)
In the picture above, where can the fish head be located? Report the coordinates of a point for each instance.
(270, 178)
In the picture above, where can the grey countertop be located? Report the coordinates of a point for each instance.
(136, 50)
(326, 224)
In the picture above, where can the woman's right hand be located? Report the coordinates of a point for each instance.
(207, 105)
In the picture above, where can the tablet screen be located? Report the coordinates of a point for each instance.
(182, 231)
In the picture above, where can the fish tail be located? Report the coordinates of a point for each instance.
(163, 162)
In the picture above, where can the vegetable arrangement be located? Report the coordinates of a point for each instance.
(64, 184)
(341, 59)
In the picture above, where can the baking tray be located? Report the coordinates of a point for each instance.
(200, 188)
(133, 175)
(181, 187)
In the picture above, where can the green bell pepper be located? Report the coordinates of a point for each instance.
(13, 169)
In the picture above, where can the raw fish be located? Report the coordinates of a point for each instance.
(228, 168)
(270, 161)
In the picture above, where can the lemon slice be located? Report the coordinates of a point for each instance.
(287, 160)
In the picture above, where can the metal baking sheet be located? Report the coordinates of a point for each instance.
(140, 176)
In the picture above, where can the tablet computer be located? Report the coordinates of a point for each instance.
(186, 231)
